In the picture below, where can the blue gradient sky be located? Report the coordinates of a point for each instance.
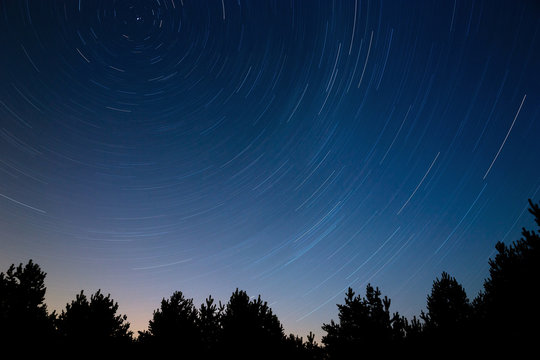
(288, 148)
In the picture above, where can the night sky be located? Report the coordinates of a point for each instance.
(288, 148)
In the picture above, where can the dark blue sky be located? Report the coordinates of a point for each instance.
(288, 148)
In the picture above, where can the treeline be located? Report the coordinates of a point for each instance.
(505, 314)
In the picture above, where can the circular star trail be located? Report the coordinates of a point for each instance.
(288, 148)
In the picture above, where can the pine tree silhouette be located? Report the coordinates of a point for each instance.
(174, 326)
(209, 323)
(23, 313)
(447, 320)
(506, 310)
(298, 349)
(364, 326)
(93, 321)
(504, 313)
(250, 329)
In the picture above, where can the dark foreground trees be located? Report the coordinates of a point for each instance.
(503, 317)
(448, 317)
(507, 310)
(365, 327)
(249, 325)
(243, 328)
(23, 313)
(173, 325)
(362, 321)
(93, 321)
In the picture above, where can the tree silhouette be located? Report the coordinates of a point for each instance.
(364, 326)
(296, 348)
(448, 312)
(506, 309)
(93, 322)
(23, 313)
(250, 329)
(174, 324)
(209, 323)
(312, 349)
(504, 313)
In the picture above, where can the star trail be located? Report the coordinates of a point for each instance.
(288, 148)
